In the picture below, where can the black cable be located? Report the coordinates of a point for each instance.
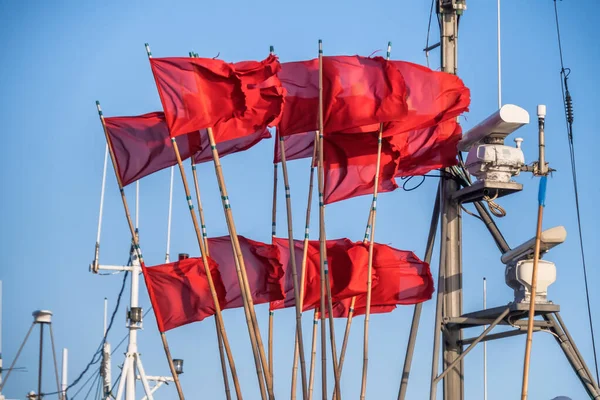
(568, 104)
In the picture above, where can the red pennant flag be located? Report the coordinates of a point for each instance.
(235, 99)
(349, 163)
(142, 145)
(347, 274)
(180, 294)
(357, 91)
(297, 146)
(263, 269)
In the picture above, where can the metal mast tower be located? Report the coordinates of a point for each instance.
(493, 164)
(132, 366)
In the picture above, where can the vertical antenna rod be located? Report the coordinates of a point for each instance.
(499, 63)
(97, 251)
(167, 256)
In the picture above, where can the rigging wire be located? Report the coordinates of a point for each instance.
(568, 104)
(428, 32)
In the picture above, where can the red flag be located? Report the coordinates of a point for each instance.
(432, 97)
(347, 274)
(236, 99)
(230, 146)
(297, 146)
(357, 91)
(423, 150)
(402, 279)
(142, 145)
(349, 163)
(263, 269)
(179, 292)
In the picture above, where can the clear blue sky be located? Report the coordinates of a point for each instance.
(57, 58)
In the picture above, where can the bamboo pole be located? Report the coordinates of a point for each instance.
(136, 245)
(241, 277)
(363, 390)
(240, 265)
(325, 283)
(313, 354)
(297, 295)
(303, 266)
(531, 316)
(217, 325)
(203, 250)
(352, 305)
(273, 233)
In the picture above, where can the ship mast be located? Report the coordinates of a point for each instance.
(451, 236)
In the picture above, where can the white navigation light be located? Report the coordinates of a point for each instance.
(497, 126)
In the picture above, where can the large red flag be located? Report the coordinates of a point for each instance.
(357, 91)
(402, 279)
(263, 269)
(236, 99)
(432, 97)
(347, 274)
(142, 145)
(180, 294)
(349, 164)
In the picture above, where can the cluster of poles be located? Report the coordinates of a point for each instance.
(264, 361)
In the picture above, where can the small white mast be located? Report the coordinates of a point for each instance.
(64, 376)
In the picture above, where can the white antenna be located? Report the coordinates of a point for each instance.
(485, 343)
(137, 204)
(64, 377)
(499, 63)
(105, 316)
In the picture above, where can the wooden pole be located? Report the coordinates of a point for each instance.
(531, 316)
(303, 267)
(297, 295)
(240, 269)
(313, 354)
(353, 303)
(325, 284)
(273, 233)
(217, 326)
(240, 265)
(136, 246)
(204, 251)
(363, 390)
